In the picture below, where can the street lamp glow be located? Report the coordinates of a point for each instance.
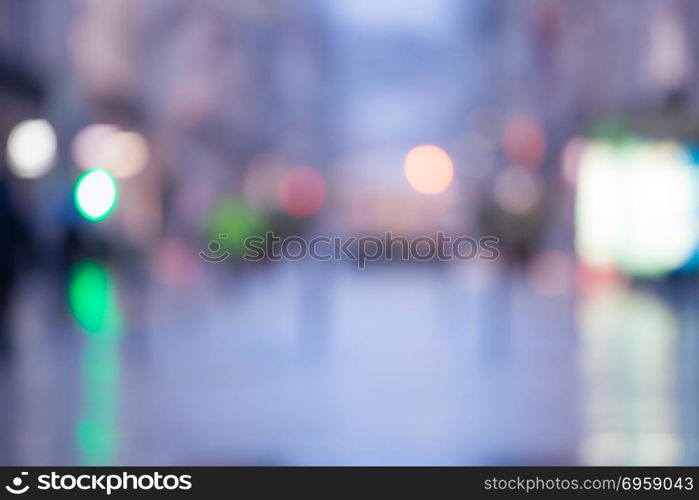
(95, 194)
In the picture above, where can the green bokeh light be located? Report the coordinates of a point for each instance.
(91, 299)
(232, 221)
(93, 304)
(95, 194)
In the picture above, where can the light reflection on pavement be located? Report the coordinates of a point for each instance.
(314, 363)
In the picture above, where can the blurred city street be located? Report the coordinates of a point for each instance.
(145, 144)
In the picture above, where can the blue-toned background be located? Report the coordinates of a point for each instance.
(134, 133)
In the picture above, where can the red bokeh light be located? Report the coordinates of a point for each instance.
(525, 141)
(302, 191)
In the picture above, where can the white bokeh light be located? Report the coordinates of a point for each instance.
(96, 194)
(122, 153)
(88, 144)
(31, 148)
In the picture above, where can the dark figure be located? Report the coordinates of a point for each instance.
(13, 243)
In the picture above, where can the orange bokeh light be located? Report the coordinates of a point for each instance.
(428, 169)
